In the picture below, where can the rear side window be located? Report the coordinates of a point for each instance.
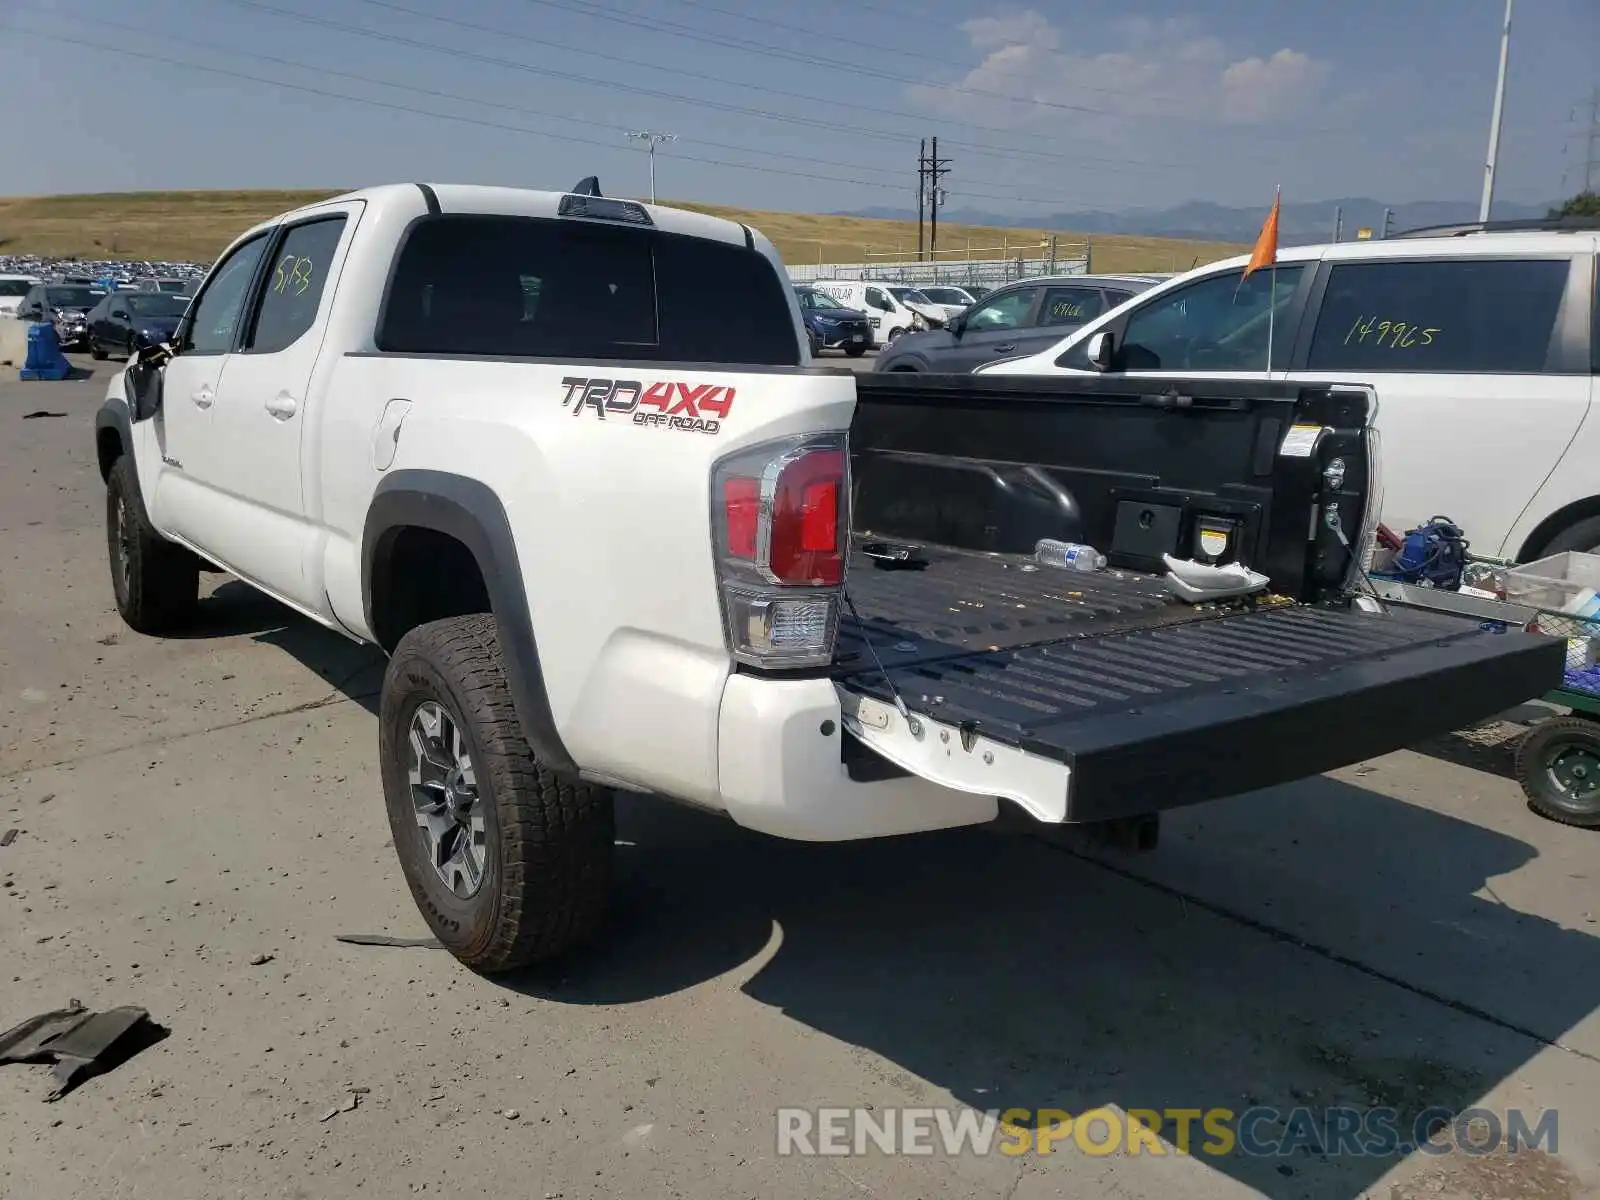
(1070, 306)
(294, 285)
(538, 288)
(1473, 316)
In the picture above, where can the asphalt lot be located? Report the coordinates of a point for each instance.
(838, 358)
(1404, 933)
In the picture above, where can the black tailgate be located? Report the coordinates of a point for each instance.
(1160, 717)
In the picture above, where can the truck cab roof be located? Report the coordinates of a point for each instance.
(509, 202)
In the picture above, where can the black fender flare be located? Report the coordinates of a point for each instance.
(470, 512)
(112, 415)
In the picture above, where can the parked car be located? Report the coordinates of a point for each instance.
(124, 321)
(614, 555)
(1017, 319)
(887, 317)
(176, 287)
(932, 314)
(65, 305)
(1482, 340)
(951, 299)
(831, 325)
(12, 289)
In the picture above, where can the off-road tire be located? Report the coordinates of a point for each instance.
(547, 873)
(1536, 752)
(855, 351)
(1581, 535)
(156, 584)
(95, 352)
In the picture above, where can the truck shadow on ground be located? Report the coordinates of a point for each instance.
(1310, 946)
(1293, 948)
(235, 609)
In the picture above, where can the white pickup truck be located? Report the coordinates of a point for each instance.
(566, 460)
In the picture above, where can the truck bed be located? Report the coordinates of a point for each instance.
(1148, 702)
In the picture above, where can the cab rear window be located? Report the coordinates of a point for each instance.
(526, 286)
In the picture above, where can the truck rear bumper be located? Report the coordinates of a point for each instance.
(782, 770)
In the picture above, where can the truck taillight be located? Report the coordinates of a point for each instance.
(781, 513)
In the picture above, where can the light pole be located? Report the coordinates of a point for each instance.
(652, 140)
(1494, 119)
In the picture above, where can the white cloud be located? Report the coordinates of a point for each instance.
(1255, 89)
(1158, 70)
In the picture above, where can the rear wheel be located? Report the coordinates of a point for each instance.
(1558, 765)
(509, 862)
(1583, 535)
(156, 583)
(95, 352)
(855, 351)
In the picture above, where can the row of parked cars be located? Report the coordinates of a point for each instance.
(854, 315)
(90, 315)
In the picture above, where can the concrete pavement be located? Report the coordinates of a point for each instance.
(1404, 934)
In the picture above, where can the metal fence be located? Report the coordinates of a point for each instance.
(987, 272)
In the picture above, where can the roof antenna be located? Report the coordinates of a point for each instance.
(589, 185)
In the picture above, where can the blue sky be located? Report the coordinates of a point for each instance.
(1042, 106)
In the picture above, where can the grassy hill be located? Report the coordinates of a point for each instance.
(197, 225)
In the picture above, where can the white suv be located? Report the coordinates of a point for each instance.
(1483, 342)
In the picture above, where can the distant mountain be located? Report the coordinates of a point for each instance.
(1203, 221)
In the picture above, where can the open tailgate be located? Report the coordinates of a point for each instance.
(1094, 696)
(1084, 729)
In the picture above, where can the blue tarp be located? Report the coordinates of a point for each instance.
(45, 360)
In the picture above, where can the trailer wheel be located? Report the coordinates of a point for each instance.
(1558, 765)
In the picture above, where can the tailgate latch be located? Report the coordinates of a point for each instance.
(969, 735)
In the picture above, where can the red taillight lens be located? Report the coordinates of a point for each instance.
(780, 515)
(805, 538)
(741, 507)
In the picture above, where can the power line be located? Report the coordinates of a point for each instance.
(675, 29)
(993, 150)
(465, 120)
(422, 112)
(435, 93)
(1001, 68)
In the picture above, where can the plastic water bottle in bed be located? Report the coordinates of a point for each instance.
(1070, 556)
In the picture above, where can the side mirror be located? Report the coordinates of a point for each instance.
(142, 381)
(1101, 350)
(957, 324)
(120, 314)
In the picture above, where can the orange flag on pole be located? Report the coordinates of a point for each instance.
(1266, 251)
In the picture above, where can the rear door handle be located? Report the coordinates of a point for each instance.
(203, 396)
(282, 406)
(1006, 349)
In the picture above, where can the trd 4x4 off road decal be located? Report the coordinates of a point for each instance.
(687, 407)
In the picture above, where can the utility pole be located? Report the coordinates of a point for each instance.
(1388, 221)
(1338, 222)
(1591, 145)
(922, 192)
(931, 170)
(1495, 118)
(652, 140)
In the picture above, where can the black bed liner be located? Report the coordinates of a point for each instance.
(1153, 703)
